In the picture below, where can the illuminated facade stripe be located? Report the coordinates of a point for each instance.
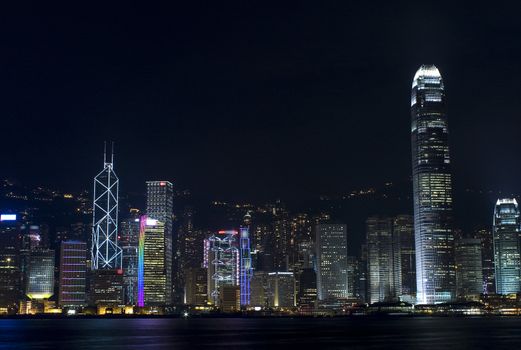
(141, 263)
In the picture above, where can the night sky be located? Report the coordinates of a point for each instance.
(247, 100)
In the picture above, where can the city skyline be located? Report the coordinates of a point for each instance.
(252, 174)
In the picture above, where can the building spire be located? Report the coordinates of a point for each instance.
(112, 155)
(104, 152)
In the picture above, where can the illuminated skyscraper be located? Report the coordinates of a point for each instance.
(469, 274)
(281, 289)
(73, 270)
(106, 254)
(245, 268)
(40, 274)
(487, 259)
(432, 186)
(380, 262)
(507, 246)
(331, 257)
(129, 233)
(223, 263)
(404, 255)
(153, 286)
(10, 274)
(160, 196)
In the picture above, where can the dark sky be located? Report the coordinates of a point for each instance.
(249, 100)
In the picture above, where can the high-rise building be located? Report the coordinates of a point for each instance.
(196, 286)
(106, 288)
(73, 273)
(487, 259)
(258, 288)
(223, 263)
(331, 257)
(229, 298)
(40, 274)
(432, 188)
(380, 262)
(153, 286)
(506, 230)
(129, 241)
(469, 274)
(404, 255)
(281, 289)
(307, 292)
(106, 254)
(245, 265)
(10, 275)
(160, 196)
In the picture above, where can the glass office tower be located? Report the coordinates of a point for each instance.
(432, 186)
(73, 271)
(380, 262)
(331, 261)
(160, 196)
(507, 246)
(153, 286)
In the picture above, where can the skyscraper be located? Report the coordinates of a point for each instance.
(432, 188)
(281, 289)
(487, 259)
(223, 264)
(307, 292)
(129, 232)
(245, 265)
(73, 270)
(106, 254)
(507, 246)
(380, 262)
(153, 286)
(469, 274)
(40, 274)
(331, 256)
(404, 255)
(160, 196)
(10, 274)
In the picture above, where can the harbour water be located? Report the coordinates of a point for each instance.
(260, 333)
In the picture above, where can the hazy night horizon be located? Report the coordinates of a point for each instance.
(249, 174)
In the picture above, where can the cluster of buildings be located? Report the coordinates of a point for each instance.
(270, 261)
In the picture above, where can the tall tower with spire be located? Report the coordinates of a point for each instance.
(432, 186)
(106, 254)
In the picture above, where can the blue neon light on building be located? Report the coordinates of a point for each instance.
(245, 268)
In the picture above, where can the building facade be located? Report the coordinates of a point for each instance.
(73, 274)
(40, 274)
(10, 274)
(223, 263)
(405, 256)
(469, 273)
(380, 259)
(487, 259)
(506, 228)
(281, 289)
(160, 197)
(432, 188)
(331, 259)
(153, 284)
(129, 242)
(105, 251)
